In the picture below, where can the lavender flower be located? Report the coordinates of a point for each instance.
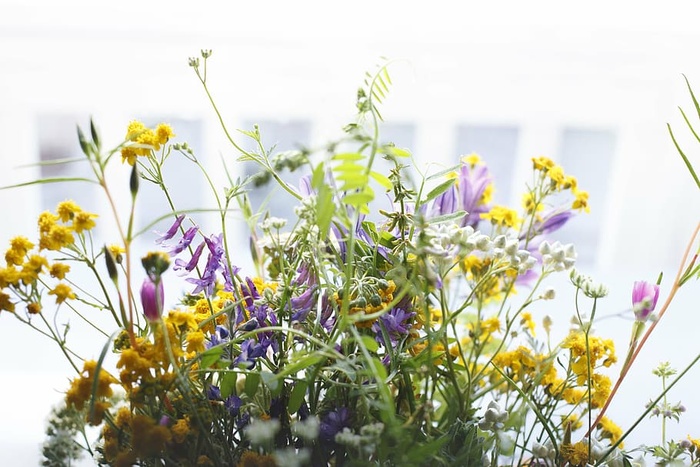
(192, 263)
(396, 322)
(184, 241)
(172, 230)
(472, 183)
(644, 298)
(250, 350)
(333, 422)
(152, 298)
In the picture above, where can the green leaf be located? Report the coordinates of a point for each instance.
(398, 152)
(359, 199)
(50, 180)
(270, 380)
(317, 178)
(443, 172)
(252, 380)
(210, 357)
(300, 361)
(297, 396)
(370, 343)
(382, 179)
(352, 181)
(227, 383)
(448, 217)
(349, 156)
(324, 209)
(440, 189)
(379, 369)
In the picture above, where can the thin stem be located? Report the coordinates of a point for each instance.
(667, 303)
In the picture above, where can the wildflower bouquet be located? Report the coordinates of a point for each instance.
(362, 336)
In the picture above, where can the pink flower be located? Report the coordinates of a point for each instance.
(152, 297)
(644, 298)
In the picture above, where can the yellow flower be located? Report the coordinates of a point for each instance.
(66, 210)
(527, 322)
(608, 429)
(163, 133)
(575, 454)
(32, 268)
(530, 204)
(83, 221)
(59, 270)
(117, 251)
(19, 246)
(542, 163)
(472, 159)
(34, 308)
(556, 175)
(56, 238)
(181, 429)
(502, 216)
(581, 201)
(9, 276)
(62, 292)
(5, 303)
(195, 341)
(47, 220)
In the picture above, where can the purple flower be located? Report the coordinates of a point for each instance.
(250, 350)
(445, 203)
(172, 230)
(551, 222)
(184, 241)
(333, 422)
(396, 322)
(644, 298)
(213, 393)
(192, 263)
(472, 183)
(302, 304)
(233, 404)
(152, 297)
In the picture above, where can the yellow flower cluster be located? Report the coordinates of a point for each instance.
(24, 266)
(81, 391)
(376, 303)
(144, 140)
(559, 181)
(521, 365)
(503, 216)
(491, 287)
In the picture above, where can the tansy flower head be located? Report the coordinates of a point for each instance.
(62, 292)
(472, 159)
(502, 216)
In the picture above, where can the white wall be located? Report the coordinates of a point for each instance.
(540, 67)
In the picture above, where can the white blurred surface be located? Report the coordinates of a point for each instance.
(538, 66)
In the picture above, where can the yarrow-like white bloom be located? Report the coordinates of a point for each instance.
(494, 417)
(556, 256)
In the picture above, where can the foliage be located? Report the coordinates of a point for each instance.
(366, 336)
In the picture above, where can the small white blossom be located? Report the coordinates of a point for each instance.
(261, 431)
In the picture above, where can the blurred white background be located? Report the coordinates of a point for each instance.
(590, 86)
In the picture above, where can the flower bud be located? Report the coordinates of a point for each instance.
(152, 296)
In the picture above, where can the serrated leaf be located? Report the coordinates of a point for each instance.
(210, 357)
(296, 397)
(382, 179)
(440, 189)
